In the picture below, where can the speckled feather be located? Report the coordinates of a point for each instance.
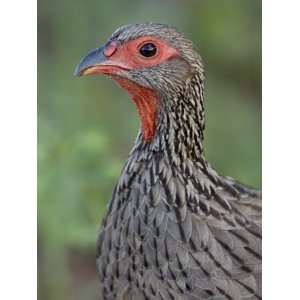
(174, 228)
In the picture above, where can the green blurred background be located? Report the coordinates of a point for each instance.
(88, 125)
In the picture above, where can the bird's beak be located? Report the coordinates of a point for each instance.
(100, 61)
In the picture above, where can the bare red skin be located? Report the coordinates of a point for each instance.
(128, 57)
(146, 102)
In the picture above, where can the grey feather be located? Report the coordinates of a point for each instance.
(174, 228)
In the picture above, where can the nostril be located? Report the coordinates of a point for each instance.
(110, 49)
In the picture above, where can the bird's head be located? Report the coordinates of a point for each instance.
(153, 62)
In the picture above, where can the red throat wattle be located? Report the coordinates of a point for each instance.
(146, 102)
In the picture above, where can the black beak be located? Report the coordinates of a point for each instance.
(93, 58)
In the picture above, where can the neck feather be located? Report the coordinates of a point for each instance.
(173, 161)
(180, 124)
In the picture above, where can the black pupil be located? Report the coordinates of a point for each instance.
(148, 50)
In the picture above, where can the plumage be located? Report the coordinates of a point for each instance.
(174, 228)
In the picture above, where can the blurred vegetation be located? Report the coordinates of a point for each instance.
(87, 126)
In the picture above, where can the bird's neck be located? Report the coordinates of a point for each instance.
(179, 125)
(174, 158)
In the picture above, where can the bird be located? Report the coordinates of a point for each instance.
(174, 227)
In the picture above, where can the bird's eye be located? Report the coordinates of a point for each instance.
(148, 50)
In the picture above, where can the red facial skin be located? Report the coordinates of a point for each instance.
(128, 57)
(146, 102)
